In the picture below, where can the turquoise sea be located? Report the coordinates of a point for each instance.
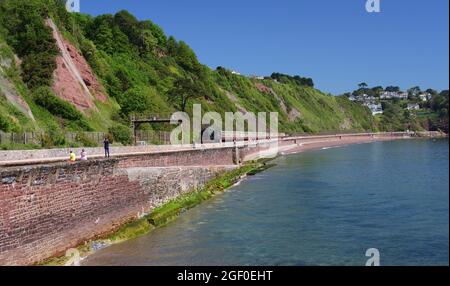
(324, 207)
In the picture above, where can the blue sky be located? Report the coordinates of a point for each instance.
(336, 42)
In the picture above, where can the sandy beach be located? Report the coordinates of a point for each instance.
(337, 142)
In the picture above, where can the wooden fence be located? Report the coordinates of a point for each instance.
(21, 138)
(143, 137)
(150, 137)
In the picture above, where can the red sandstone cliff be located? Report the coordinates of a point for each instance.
(73, 79)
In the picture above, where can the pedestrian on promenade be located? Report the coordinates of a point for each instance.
(72, 157)
(83, 155)
(106, 146)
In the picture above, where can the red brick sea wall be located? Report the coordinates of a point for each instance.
(46, 209)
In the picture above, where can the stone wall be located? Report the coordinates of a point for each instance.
(46, 209)
(61, 154)
(20, 155)
(199, 157)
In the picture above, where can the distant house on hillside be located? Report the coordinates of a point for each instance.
(257, 77)
(235, 72)
(393, 95)
(363, 98)
(413, 106)
(403, 95)
(425, 96)
(375, 108)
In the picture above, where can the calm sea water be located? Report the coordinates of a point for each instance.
(323, 207)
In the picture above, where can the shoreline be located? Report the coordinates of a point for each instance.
(313, 146)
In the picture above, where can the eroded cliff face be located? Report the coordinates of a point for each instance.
(73, 78)
(8, 89)
(11, 94)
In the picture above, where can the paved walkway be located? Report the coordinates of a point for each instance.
(45, 156)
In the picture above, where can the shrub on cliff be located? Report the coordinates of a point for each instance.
(44, 97)
(303, 81)
(394, 117)
(54, 137)
(122, 134)
(135, 100)
(71, 117)
(5, 124)
(31, 39)
(84, 140)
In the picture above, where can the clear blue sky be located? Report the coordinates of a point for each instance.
(336, 42)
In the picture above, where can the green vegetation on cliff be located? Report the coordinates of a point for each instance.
(143, 71)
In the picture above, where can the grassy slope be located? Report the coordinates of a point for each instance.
(11, 116)
(318, 111)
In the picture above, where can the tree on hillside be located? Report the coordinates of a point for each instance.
(101, 33)
(444, 94)
(135, 100)
(156, 31)
(121, 43)
(147, 42)
(377, 90)
(302, 81)
(439, 104)
(414, 92)
(393, 118)
(431, 91)
(184, 89)
(128, 24)
(5, 123)
(31, 39)
(186, 58)
(362, 85)
(392, 89)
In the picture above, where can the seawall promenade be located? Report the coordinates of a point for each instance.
(39, 156)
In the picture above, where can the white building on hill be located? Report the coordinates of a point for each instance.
(425, 96)
(413, 106)
(375, 108)
(393, 95)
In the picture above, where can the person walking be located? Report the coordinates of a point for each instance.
(106, 146)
